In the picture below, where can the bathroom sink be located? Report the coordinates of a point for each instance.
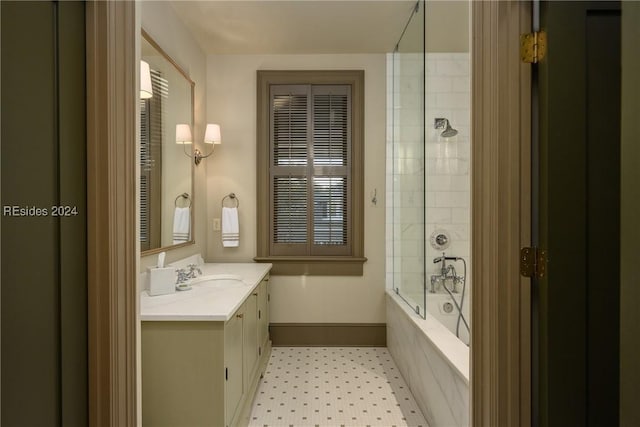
(219, 281)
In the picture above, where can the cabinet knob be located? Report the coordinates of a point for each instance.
(255, 294)
(240, 316)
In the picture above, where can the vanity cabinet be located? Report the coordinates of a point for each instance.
(263, 314)
(205, 373)
(233, 367)
(250, 343)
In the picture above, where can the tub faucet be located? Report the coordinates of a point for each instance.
(446, 272)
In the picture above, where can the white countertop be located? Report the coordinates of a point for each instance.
(214, 296)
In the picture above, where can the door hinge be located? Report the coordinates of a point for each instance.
(226, 374)
(533, 262)
(533, 47)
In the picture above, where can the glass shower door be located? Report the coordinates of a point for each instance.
(408, 172)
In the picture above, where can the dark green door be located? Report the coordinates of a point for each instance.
(576, 307)
(44, 284)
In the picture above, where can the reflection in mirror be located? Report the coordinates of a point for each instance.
(166, 165)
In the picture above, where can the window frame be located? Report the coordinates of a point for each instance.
(351, 264)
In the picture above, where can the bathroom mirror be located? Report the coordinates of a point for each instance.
(166, 167)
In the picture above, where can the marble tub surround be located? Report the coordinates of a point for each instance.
(433, 361)
(214, 296)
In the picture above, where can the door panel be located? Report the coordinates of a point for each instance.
(250, 308)
(233, 341)
(577, 304)
(263, 320)
(603, 216)
(44, 285)
(73, 230)
(630, 218)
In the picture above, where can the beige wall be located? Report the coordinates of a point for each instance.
(630, 214)
(160, 21)
(231, 102)
(447, 26)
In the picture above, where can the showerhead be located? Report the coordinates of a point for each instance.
(449, 132)
(442, 123)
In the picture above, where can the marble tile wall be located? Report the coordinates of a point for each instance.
(447, 168)
(433, 362)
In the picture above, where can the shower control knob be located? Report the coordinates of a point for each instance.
(440, 240)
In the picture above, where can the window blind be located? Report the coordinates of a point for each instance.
(290, 128)
(152, 112)
(290, 209)
(310, 143)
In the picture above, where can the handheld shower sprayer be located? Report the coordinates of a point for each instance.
(445, 258)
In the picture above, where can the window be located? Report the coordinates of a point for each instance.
(310, 171)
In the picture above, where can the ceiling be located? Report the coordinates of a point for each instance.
(295, 26)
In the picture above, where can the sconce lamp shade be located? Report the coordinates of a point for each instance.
(183, 134)
(212, 134)
(146, 91)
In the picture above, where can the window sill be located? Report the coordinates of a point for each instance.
(314, 266)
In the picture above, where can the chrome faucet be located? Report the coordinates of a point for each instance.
(183, 276)
(191, 272)
(193, 269)
(446, 272)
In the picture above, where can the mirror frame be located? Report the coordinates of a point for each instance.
(192, 241)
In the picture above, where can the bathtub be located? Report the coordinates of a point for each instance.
(432, 360)
(436, 306)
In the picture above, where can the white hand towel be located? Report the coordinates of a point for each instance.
(181, 225)
(230, 228)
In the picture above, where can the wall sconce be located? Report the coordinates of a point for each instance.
(183, 137)
(211, 136)
(146, 90)
(183, 134)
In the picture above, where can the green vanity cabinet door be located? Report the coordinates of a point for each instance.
(250, 337)
(233, 359)
(183, 372)
(263, 314)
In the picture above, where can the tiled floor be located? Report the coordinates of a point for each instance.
(333, 386)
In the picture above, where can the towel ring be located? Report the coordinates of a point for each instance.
(231, 196)
(184, 196)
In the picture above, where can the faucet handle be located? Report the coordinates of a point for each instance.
(193, 268)
(182, 275)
